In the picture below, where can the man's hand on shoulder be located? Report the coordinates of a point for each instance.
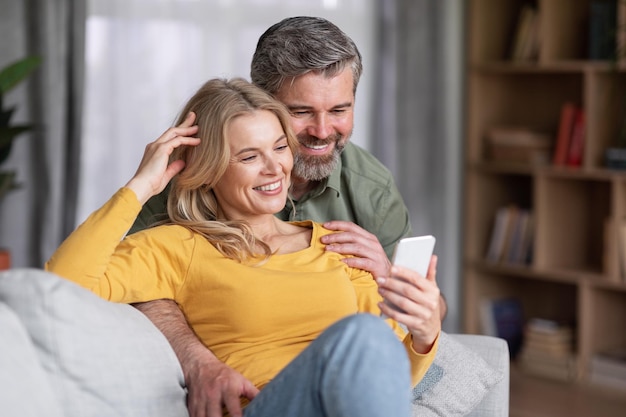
(368, 253)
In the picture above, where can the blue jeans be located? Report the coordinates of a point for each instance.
(357, 367)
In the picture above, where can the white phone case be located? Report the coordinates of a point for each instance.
(413, 253)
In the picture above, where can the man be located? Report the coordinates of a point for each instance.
(314, 68)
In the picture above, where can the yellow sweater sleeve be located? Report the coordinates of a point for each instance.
(141, 267)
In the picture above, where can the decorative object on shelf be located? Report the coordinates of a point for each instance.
(615, 157)
(10, 76)
(5, 259)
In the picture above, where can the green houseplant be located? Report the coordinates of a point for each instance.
(10, 76)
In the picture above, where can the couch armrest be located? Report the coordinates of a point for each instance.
(495, 352)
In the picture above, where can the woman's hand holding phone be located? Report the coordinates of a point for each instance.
(412, 297)
(414, 253)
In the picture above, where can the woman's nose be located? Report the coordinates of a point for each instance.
(272, 165)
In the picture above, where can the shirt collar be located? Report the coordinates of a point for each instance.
(333, 182)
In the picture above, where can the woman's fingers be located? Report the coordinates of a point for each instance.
(155, 170)
(185, 129)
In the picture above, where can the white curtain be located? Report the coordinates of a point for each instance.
(145, 58)
(418, 123)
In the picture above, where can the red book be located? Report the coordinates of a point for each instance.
(577, 142)
(564, 135)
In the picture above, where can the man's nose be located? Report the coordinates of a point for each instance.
(320, 126)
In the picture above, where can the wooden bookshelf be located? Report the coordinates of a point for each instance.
(575, 273)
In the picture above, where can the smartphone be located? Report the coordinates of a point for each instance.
(413, 253)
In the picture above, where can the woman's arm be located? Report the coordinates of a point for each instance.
(85, 255)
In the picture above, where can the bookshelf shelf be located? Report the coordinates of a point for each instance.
(558, 67)
(577, 272)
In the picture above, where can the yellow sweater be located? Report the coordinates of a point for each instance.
(256, 319)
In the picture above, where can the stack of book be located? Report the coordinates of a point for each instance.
(608, 369)
(520, 144)
(548, 350)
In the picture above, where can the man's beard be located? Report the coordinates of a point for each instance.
(316, 168)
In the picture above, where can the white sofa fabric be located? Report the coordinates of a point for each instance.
(66, 352)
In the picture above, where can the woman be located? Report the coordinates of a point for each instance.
(262, 294)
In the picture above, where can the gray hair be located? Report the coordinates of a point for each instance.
(298, 45)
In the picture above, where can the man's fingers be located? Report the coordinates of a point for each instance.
(233, 405)
(348, 227)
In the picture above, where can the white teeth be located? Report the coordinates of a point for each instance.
(270, 187)
(317, 148)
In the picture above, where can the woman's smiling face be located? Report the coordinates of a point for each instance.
(257, 179)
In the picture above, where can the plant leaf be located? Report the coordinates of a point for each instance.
(7, 135)
(5, 116)
(7, 183)
(12, 74)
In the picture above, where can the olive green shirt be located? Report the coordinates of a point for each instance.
(360, 190)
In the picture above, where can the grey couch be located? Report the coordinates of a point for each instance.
(65, 352)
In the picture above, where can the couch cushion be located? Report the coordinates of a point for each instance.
(102, 358)
(25, 390)
(456, 382)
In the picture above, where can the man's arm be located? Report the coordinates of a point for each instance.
(153, 211)
(210, 383)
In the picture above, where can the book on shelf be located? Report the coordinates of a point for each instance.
(611, 257)
(608, 368)
(548, 350)
(614, 255)
(521, 239)
(577, 140)
(621, 32)
(621, 248)
(525, 46)
(498, 234)
(564, 134)
(504, 318)
(603, 29)
(511, 236)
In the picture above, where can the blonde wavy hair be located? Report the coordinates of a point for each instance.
(191, 202)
